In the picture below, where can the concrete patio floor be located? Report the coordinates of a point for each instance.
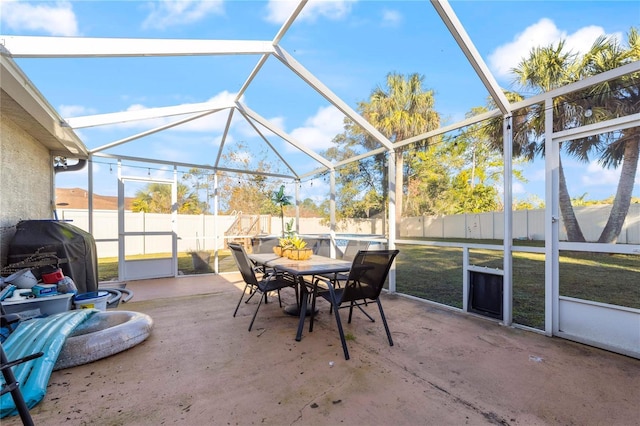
(201, 366)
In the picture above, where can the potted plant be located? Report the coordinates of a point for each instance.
(278, 198)
(284, 243)
(298, 249)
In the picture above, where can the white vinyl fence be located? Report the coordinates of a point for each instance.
(204, 232)
(527, 225)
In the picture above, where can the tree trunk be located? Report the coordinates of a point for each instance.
(399, 193)
(574, 233)
(622, 200)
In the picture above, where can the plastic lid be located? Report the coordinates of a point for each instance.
(91, 295)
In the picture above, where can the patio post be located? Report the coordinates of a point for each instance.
(391, 215)
(216, 200)
(507, 282)
(332, 213)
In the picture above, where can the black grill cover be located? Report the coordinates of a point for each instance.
(66, 241)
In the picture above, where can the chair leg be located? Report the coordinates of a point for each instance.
(365, 312)
(339, 323)
(264, 296)
(303, 311)
(384, 321)
(313, 307)
(12, 386)
(251, 293)
(241, 296)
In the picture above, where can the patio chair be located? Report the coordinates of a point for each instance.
(363, 285)
(350, 251)
(267, 283)
(263, 246)
(353, 247)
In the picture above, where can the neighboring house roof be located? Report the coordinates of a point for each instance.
(77, 198)
(26, 106)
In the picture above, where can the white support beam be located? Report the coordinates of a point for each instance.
(92, 47)
(252, 75)
(551, 225)
(332, 213)
(458, 32)
(149, 132)
(616, 124)
(578, 85)
(314, 172)
(275, 151)
(325, 92)
(285, 27)
(276, 40)
(119, 158)
(267, 124)
(391, 213)
(145, 114)
(442, 130)
(225, 133)
(507, 261)
(360, 157)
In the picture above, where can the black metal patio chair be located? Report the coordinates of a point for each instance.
(350, 251)
(363, 285)
(267, 283)
(353, 247)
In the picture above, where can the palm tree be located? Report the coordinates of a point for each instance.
(400, 110)
(612, 99)
(278, 198)
(545, 69)
(156, 198)
(550, 67)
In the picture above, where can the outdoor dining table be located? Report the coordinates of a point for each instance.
(298, 269)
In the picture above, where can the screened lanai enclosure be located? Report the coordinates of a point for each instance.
(555, 264)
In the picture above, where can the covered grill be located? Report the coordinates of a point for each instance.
(71, 249)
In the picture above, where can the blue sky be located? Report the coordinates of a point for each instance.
(349, 45)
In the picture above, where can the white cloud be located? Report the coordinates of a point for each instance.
(57, 19)
(75, 111)
(170, 13)
(391, 18)
(244, 129)
(277, 122)
(542, 33)
(518, 188)
(316, 190)
(211, 123)
(597, 176)
(278, 11)
(320, 129)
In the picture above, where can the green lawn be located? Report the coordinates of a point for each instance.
(108, 266)
(435, 273)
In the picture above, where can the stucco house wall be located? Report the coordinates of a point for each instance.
(31, 133)
(25, 180)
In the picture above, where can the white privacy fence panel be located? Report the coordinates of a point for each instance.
(527, 224)
(316, 225)
(195, 232)
(204, 232)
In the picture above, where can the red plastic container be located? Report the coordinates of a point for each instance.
(52, 277)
